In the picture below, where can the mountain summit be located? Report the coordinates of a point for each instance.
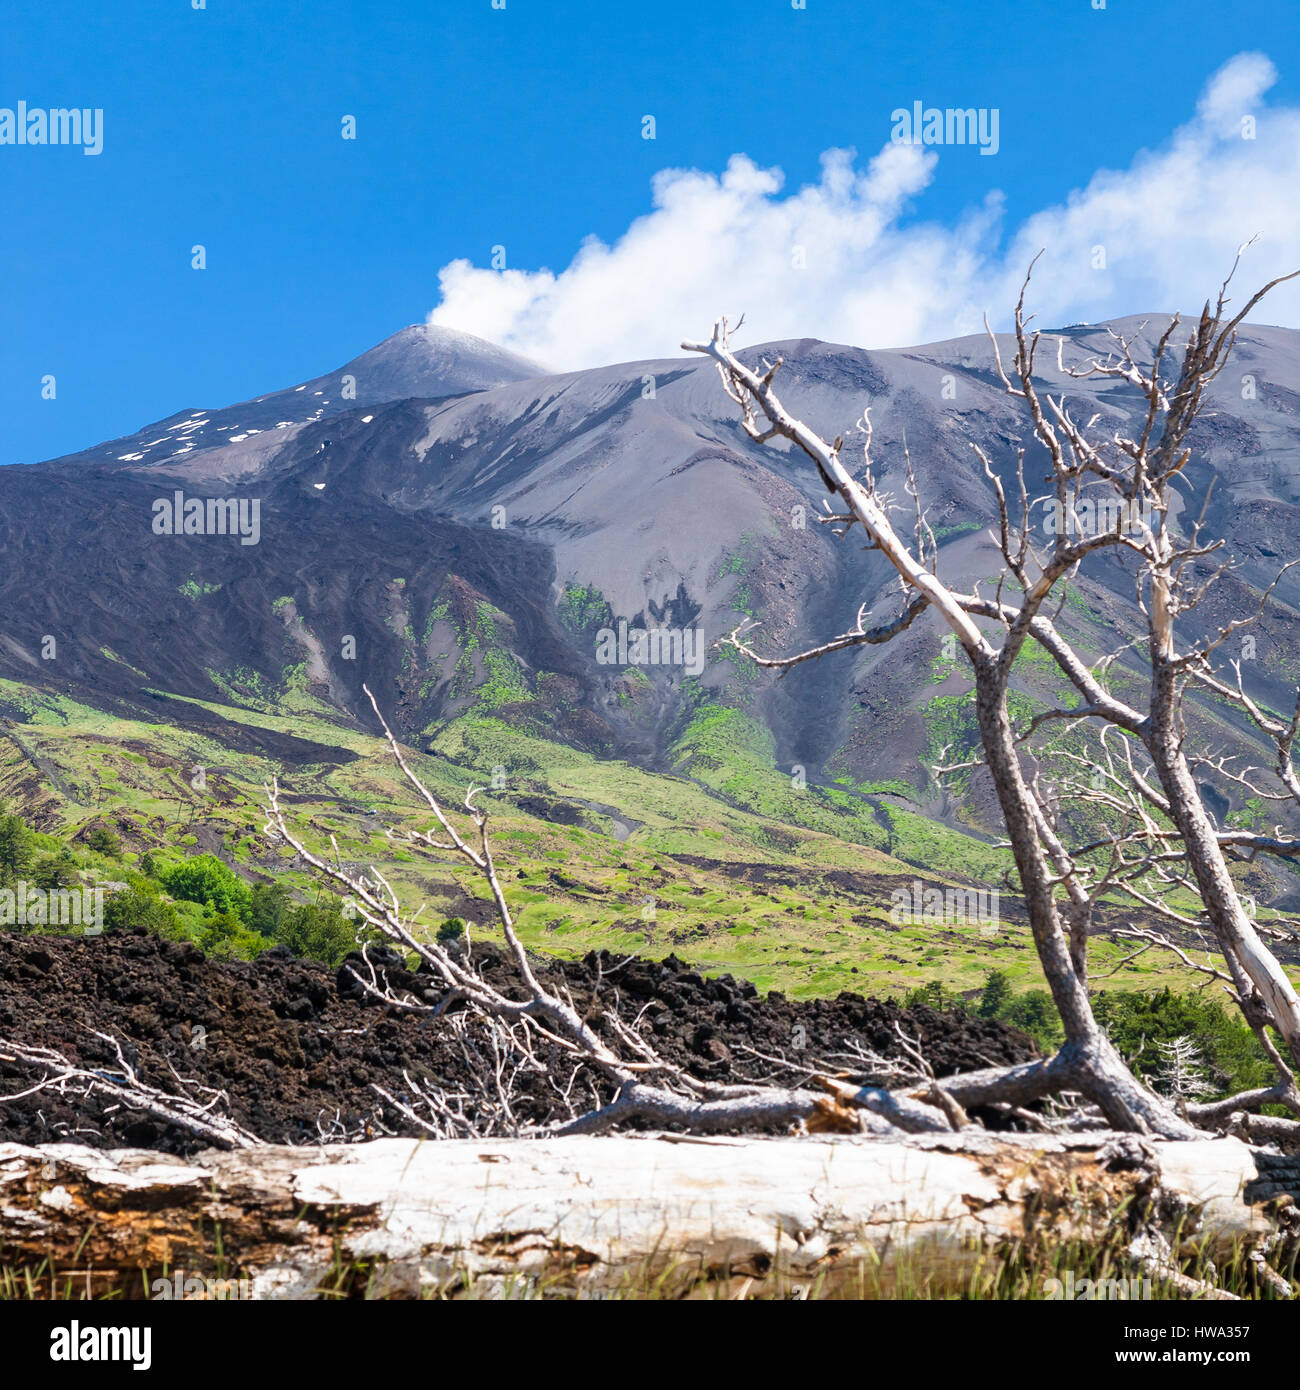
(419, 362)
(428, 360)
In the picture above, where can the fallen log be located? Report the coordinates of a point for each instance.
(592, 1216)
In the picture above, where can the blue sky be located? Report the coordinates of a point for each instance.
(523, 128)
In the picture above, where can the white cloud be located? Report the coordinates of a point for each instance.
(832, 261)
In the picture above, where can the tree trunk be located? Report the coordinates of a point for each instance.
(1235, 931)
(596, 1216)
(1093, 1065)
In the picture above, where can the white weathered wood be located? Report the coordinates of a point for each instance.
(599, 1214)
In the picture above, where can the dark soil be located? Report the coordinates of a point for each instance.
(294, 1047)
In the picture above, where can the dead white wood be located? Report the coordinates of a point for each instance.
(187, 1105)
(596, 1216)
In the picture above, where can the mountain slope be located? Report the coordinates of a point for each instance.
(460, 535)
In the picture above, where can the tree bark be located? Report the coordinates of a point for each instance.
(1088, 1060)
(1235, 931)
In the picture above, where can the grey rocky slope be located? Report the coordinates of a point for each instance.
(463, 481)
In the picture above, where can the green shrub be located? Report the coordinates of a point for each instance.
(935, 995)
(205, 879)
(104, 841)
(225, 937)
(996, 996)
(267, 906)
(451, 930)
(1034, 1012)
(141, 907)
(319, 931)
(55, 870)
(1138, 1023)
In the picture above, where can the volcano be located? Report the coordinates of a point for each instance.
(462, 531)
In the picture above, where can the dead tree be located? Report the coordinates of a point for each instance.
(604, 1069)
(641, 1085)
(738, 1217)
(1172, 579)
(1059, 890)
(187, 1105)
(1162, 835)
